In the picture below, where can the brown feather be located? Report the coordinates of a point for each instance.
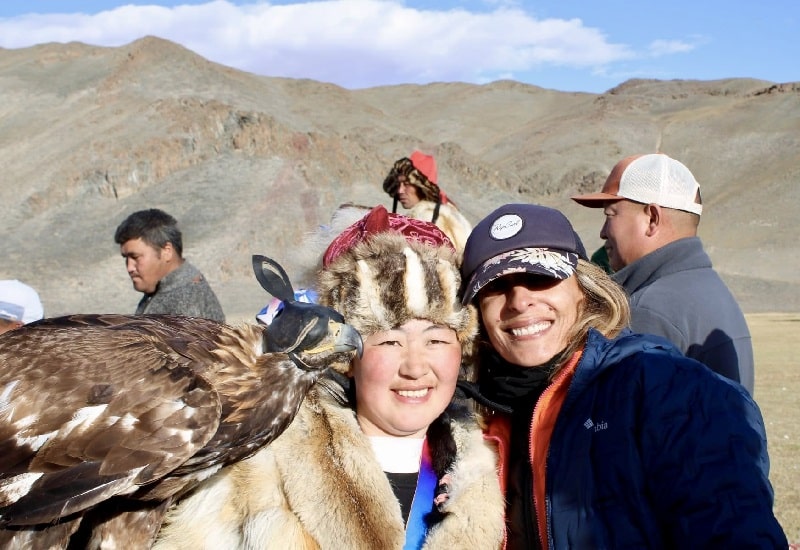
(141, 407)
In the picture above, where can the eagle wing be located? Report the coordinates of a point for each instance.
(97, 405)
(99, 413)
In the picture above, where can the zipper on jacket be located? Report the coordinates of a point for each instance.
(542, 543)
(545, 537)
(529, 496)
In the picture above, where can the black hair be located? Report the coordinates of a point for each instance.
(155, 227)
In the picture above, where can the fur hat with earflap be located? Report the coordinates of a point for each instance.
(420, 169)
(387, 269)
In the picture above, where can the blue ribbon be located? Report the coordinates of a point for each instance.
(421, 506)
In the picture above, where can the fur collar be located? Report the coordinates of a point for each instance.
(319, 486)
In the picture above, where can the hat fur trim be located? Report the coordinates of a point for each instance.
(429, 191)
(386, 280)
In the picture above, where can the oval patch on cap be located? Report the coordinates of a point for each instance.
(506, 226)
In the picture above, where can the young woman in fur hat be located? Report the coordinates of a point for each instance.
(379, 457)
(412, 182)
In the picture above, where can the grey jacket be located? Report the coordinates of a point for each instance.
(183, 292)
(675, 293)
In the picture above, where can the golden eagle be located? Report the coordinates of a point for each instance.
(105, 420)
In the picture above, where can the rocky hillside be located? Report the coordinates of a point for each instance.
(252, 164)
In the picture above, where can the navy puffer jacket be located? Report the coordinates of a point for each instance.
(654, 450)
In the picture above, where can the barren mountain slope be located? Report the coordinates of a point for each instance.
(251, 164)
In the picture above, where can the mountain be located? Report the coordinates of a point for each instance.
(253, 164)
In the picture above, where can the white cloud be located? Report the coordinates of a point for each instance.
(349, 42)
(669, 47)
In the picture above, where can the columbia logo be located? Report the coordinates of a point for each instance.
(599, 426)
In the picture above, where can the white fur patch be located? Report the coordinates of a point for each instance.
(447, 278)
(205, 519)
(416, 297)
(450, 284)
(478, 460)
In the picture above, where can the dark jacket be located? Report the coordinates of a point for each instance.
(675, 293)
(183, 291)
(649, 449)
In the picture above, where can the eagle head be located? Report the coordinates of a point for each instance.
(314, 336)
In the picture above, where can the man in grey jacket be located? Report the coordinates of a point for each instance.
(652, 208)
(152, 246)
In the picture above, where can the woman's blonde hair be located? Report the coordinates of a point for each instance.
(605, 306)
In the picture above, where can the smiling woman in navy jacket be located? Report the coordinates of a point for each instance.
(607, 439)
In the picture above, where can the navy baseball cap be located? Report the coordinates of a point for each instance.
(519, 238)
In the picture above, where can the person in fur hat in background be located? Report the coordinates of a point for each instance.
(379, 456)
(412, 182)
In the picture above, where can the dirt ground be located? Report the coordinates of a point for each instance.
(776, 343)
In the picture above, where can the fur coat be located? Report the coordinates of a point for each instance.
(451, 221)
(319, 486)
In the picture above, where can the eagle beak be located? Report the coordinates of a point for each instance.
(347, 339)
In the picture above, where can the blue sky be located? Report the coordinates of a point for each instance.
(567, 45)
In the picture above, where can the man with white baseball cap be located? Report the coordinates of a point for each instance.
(19, 305)
(652, 208)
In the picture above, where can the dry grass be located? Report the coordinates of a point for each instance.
(776, 342)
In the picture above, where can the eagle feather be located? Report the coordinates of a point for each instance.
(113, 417)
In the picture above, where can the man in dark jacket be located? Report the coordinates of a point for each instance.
(152, 246)
(652, 206)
